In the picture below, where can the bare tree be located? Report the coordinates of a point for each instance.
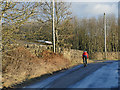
(62, 15)
(14, 14)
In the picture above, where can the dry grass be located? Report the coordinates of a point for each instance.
(0, 80)
(19, 65)
(101, 55)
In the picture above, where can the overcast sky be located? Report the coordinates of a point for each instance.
(87, 8)
(94, 9)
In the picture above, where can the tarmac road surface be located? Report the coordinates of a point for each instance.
(95, 75)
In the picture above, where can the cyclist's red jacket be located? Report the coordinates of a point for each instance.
(86, 54)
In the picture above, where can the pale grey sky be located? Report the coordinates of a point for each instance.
(94, 9)
(87, 8)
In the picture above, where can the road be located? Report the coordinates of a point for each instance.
(95, 75)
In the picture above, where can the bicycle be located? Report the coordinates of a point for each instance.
(85, 63)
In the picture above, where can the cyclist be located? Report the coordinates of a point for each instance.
(85, 57)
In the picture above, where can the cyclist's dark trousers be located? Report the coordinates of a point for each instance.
(85, 59)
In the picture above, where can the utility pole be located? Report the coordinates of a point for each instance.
(53, 30)
(105, 35)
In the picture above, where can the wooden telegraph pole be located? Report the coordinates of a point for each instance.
(53, 31)
(105, 35)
